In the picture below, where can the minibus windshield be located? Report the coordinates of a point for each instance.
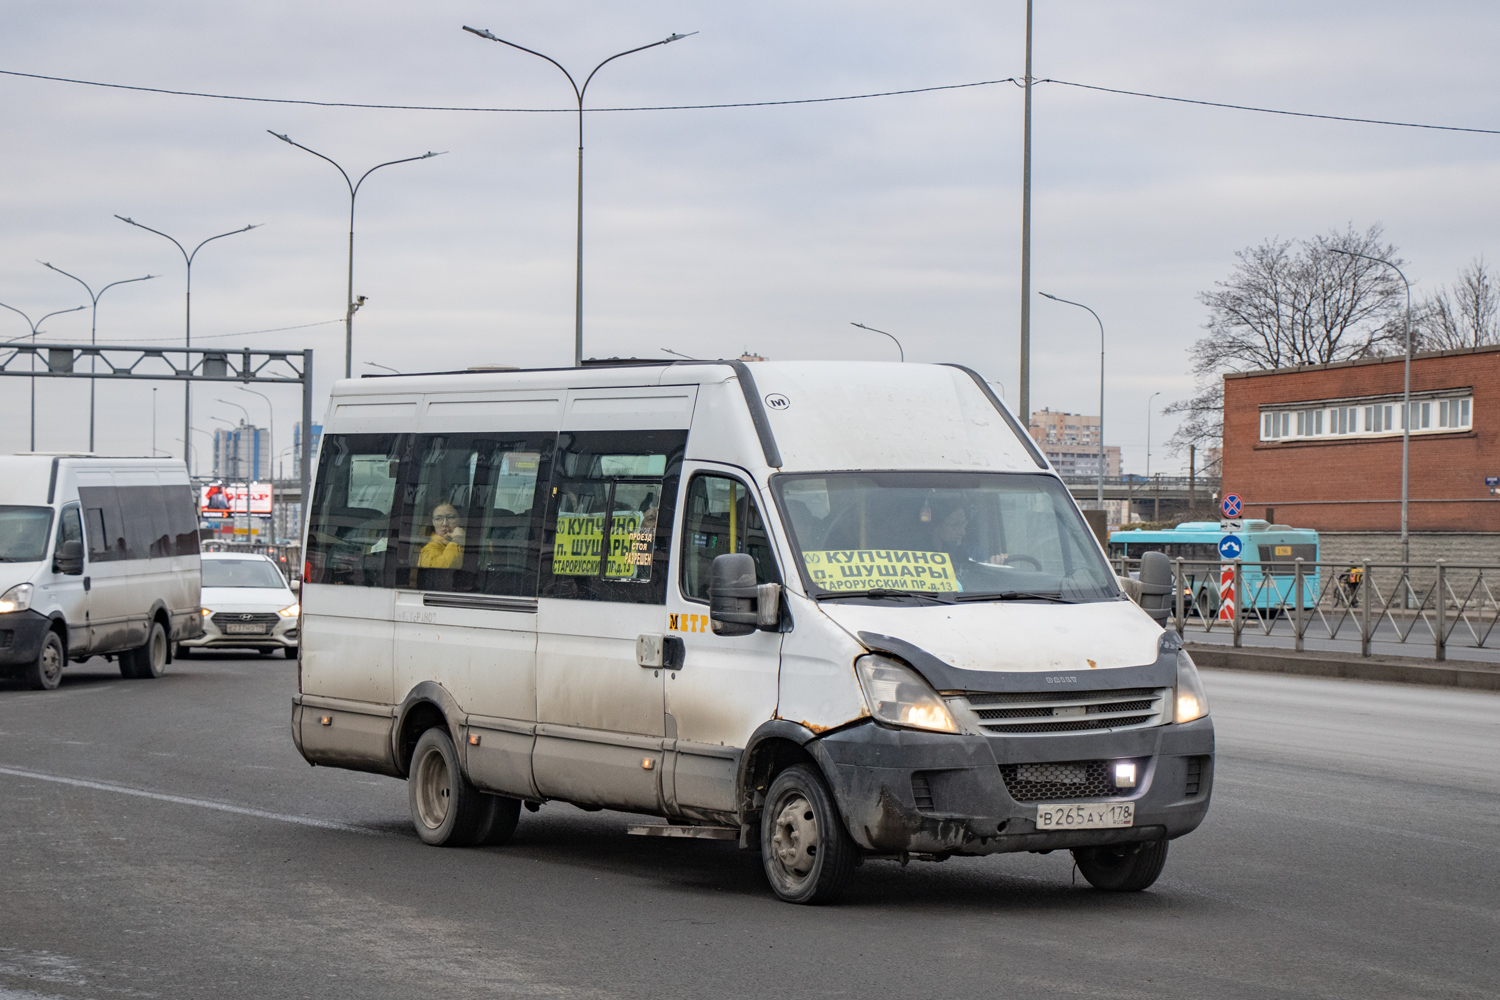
(941, 536)
(23, 533)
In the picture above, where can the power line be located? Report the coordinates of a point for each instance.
(223, 336)
(1273, 111)
(429, 107)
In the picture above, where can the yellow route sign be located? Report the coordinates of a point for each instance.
(896, 569)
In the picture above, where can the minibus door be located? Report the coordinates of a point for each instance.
(604, 569)
(69, 587)
(727, 685)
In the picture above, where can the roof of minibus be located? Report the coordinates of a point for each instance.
(24, 478)
(823, 415)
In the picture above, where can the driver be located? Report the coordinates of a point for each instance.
(950, 528)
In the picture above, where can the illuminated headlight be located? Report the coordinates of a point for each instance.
(898, 696)
(291, 612)
(17, 598)
(205, 612)
(1189, 696)
(1125, 774)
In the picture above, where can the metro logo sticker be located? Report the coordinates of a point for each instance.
(896, 569)
(687, 623)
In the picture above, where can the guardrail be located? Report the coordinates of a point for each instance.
(1418, 603)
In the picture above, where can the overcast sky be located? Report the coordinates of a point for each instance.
(714, 231)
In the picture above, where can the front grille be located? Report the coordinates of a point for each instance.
(921, 791)
(7, 638)
(1194, 776)
(268, 619)
(1077, 779)
(1030, 712)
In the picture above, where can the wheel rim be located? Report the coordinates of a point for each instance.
(51, 660)
(794, 844)
(158, 651)
(433, 789)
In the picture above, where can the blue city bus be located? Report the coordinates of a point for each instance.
(1268, 552)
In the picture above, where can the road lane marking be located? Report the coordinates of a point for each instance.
(183, 800)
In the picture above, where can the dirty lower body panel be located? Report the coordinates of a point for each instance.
(906, 792)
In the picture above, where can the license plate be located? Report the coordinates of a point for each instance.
(1085, 815)
(238, 629)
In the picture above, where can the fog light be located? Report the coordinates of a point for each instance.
(1125, 774)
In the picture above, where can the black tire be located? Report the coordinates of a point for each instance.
(45, 672)
(150, 660)
(499, 825)
(1122, 867)
(182, 652)
(446, 809)
(805, 850)
(290, 652)
(266, 650)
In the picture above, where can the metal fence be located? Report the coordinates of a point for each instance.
(1435, 604)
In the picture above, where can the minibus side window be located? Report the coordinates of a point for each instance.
(609, 518)
(182, 516)
(720, 517)
(143, 511)
(469, 516)
(103, 525)
(350, 534)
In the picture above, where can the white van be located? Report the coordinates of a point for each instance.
(832, 611)
(98, 556)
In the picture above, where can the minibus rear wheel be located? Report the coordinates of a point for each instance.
(446, 809)
(1122, 867)
(804, 848)
(150, 660)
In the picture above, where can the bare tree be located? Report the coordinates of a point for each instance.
(1468, 315)
(1290, 303)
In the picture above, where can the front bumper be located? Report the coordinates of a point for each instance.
(21, 635)
(967, 807)
(283, 635)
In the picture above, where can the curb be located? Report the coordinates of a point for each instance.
(1392, 669)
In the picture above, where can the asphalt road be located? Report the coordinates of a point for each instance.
(164, 839)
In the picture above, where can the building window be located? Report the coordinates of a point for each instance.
(1437, 413)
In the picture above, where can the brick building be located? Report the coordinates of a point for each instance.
(1319, 446)
(1071, 443)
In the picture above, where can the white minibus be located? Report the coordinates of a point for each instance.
(98, 556)
(831, 611)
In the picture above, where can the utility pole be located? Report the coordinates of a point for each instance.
(1025, 389)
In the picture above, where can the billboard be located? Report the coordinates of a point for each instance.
(228, 499)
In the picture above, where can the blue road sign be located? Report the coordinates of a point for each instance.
(1232, 505)
(1492, 480)
(1230, 547)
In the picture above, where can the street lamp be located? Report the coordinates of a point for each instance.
(1080, 305)
(388, 368)
(35, 329)
(668, 350)
(891, 335)
(1405, 408)
(578, 93)
(1148, 431)
(94, 329)
(187, 337)
(353, 303)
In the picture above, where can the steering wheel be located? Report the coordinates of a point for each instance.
(1025, 558)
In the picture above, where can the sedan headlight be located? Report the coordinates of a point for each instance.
(17, 598)
(898, 696)
(205, 612)
(291, 612)
(1190, 698)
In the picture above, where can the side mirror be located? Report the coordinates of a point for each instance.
(69, 558)
(295, 585)
(737, 605)
(1156, 586)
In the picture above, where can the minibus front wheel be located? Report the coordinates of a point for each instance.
(804, 848)
(1122, 867)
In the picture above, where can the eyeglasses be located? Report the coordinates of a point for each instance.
(444, 517)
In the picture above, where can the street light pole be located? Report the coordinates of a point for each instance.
(36, 328)
(94, 332)
(271, 452)
(1405, 409)
(1148, 431)
(187, 341)
(1025, 388)
(578, 93)
(891, 335)
(1080, 305)
(353, 304)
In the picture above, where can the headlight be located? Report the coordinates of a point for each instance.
(17, 598)
(1191, 701)
(897, 696)
(291, 612)
(205, 612)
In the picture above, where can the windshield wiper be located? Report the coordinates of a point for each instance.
(878, 593)
(1014, 595)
